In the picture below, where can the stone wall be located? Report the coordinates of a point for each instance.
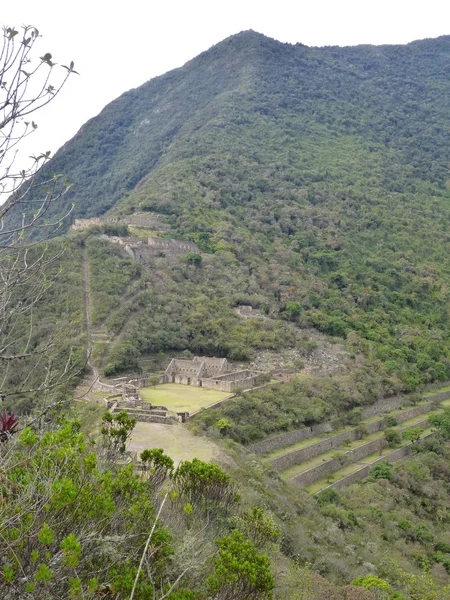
(328, 467)
(149, 418)
(413, 412)
(366, 449)
(145, 220)
(288, 438)
(170, 247)
(233, 382)
(142, 220)
(298, 456)
(303, 454)
(384, 405)
(439, 397)
(141, 381)
(80, 224)
(316, 473)
(389, 404)
(364, 471)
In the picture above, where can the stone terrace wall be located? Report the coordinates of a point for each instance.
(366, 449)
(364, 471)
(171, 246)
(392, 457)
(303, 454)
(298, 456)
(384, 405)
(413, 412)
(439, 397)
(330, 466)
(145, 220)
(288, 438)
(322, 470)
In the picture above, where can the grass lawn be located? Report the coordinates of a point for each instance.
(178, 398)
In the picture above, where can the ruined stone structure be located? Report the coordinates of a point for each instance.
(143, 220)
(139, 249)
(144, 411)
(246, 310)
(211, 373)
(141, 252)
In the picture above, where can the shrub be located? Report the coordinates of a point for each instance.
(372, 582)
(328, 496)
(389, 421)
(412, 435)
(240, 572)
(382, 470)
(392, 436)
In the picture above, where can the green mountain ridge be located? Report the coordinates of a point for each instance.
(312, 179)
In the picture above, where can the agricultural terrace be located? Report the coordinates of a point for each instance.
(179, 398)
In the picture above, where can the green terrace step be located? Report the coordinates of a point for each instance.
(325, 464)
(357, 471)
(304, 450)
(279, 444)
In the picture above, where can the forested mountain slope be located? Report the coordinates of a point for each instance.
(313, 180)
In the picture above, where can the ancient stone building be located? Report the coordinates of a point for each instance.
(211, 373)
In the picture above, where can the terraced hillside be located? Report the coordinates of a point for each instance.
(314, 458)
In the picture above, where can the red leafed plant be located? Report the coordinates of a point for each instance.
(8, 424)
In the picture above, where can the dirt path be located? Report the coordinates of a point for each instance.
(87, 312)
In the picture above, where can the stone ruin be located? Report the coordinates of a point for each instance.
(144, 411)
(159, 247)
(141, 252)
(143, 220)
(139, 249)
(211, 373)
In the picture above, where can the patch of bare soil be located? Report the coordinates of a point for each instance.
(176, 441)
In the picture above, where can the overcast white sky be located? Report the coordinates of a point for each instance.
(120, 45)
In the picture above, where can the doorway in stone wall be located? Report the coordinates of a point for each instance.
(189, 381)
(173, 378)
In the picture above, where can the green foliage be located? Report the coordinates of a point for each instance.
(413, 434)
(389, 421)
(292, 310)
(223, 425)
(193, 259)
(52, 494)
(382, 470)
(441, 422)
(327, 496)
(282, 407)
(372, 581)
(205, 485)
(442, 547)
(258, 526)
(319, 203)
(116, 429)
(240, 572)
(158, 466)
(392, 437)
